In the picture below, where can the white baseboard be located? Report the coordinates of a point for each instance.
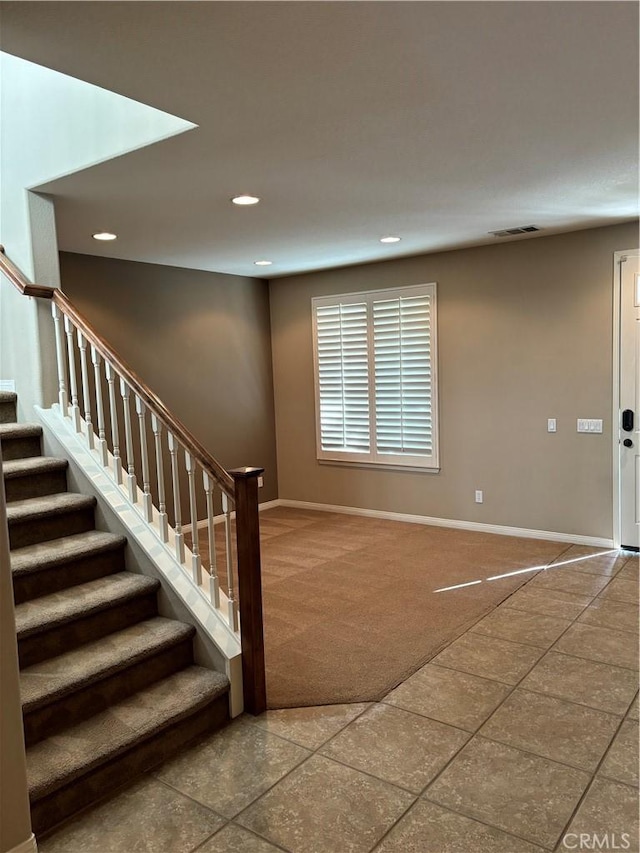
(269, 505)
(456, 524)
(28, 846)
(499, 529)
(218, 519)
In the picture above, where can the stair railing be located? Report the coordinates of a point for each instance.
(151, 456)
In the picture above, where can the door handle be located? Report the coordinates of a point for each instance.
(627, 420)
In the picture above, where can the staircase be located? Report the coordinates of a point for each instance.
(108, 687)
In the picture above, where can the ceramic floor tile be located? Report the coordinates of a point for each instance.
(449, 696)
(619, 648)
(609, 613)
(567, 580)
(532, 629)
(621, 762)
(147, 818)
(553, 728)
(489, 657)
(592, 561)
(232, 767)
(397, 746)
(309, 727)
(608, 566)
(621, 589)
(633, 711)
(325, 807)
(609, 809)
(551, 602)
(598, 685)
(236, 839)
(630, 571)
(428, 828)
(524, 794)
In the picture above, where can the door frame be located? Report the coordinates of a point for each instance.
(618, 259)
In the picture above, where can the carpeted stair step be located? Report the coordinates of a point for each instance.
(20, 440)
(50, 517)
(60, 563)
(54, 624)
(84, 762)
(34, 477)
(67, 689)
(8, 402)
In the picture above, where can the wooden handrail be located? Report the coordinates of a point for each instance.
(20, 282)
(151, 400)
(137, 385)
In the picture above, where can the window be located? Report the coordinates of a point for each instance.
(375, 377)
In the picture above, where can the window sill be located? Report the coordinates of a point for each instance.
(409, 469)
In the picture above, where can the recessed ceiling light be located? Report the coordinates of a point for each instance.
(104, 235)
(263, 263)
(390, 239)
(245, 199)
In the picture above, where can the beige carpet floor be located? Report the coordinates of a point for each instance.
(350, 603)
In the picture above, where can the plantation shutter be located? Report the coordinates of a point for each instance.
(375, 377)
(343, 377)
(403, 389)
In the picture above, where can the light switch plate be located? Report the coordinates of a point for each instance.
(551, 425)
(590, 425)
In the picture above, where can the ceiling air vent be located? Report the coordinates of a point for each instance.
(510, 232)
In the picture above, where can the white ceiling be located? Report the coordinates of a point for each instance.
(436, 121)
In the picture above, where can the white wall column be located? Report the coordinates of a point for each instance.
(26, 330)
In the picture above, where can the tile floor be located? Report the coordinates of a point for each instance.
(520, 737)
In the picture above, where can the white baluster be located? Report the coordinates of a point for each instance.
(196, 562)
(102, 439)
(61, 359)
(214, 583)
(86, 394)
(147, 504)
(156, 426)
(74, 408)
(131, 466)
(175, 477)
(233, 605)
(115, 436)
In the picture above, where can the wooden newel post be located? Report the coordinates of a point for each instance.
(250, 588)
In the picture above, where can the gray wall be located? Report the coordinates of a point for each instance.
(200, 340)
(525, 334)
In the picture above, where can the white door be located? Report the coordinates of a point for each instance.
(629, 415)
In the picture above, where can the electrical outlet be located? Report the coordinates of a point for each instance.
(479, 496)
(260, 482)
(551, 425)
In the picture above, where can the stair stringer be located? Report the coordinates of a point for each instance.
(215, 645)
